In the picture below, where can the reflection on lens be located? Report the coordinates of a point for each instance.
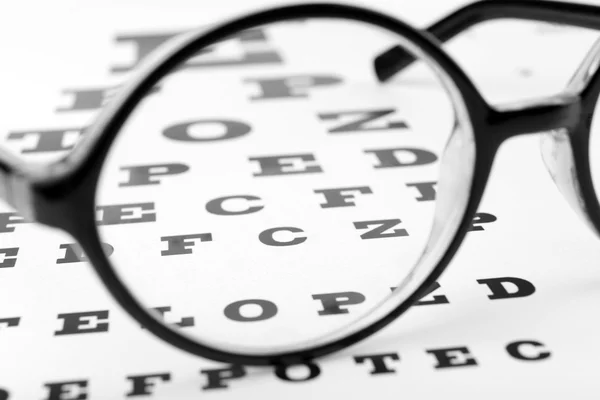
(594, 147)
(275, 191)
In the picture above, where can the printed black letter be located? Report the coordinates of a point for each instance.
(453, 357)
(216, 206)
(267, 236)
(10, 257)
(74, 253)
(437, 299)
(339, 197)
(48, 140)
(286, 165)
(496, 285)
(481, 218)
(204, 130)
(143, 383)
(126, 213)
(283, 373)
(378, 360)
(10, 322)
(84, 322)
(380, 230)
(74, 390)
(514, 349)
(268, 310)
(290, 86)
(402, 157)
(141, 175)
(363, 122)
(332, 302)
(426, 190)
(9, 219)
(180, 244)
(87, 99)
(216, 378)
(183, 322)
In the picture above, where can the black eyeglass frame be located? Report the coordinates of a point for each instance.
(62, 195)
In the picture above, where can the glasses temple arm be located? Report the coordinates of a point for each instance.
(395, 59)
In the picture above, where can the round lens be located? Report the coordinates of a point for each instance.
(271, 194)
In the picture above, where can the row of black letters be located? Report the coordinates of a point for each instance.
(53, 140)
(338, 303)
(144, 44)
(376, 365)
(182, 244)
(296, 86)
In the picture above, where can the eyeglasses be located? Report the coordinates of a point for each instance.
(264, 177)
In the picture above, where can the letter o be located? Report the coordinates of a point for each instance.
(268, 310)
(281, 371)
(180, 132)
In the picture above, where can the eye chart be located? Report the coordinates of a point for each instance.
(513, 316)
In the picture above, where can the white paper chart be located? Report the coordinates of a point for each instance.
(514, 315)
